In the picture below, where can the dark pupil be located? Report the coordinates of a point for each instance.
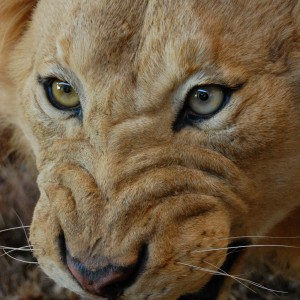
(202, 95)
(66, 88)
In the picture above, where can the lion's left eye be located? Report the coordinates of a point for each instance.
(205, 100)
(61, 94)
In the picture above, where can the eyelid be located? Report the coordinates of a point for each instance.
(44, 80)
(57, 71)
(225, 87)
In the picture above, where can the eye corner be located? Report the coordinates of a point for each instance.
(236, 87)
(46, 83)
(43, 80)
(39, 79)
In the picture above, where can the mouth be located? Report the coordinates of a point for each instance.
(209, 292)
(212, 289)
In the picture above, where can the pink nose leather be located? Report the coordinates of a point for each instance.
(97, 282)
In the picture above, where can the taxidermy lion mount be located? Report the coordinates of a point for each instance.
(166, 137)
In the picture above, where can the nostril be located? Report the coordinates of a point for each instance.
(109, 281)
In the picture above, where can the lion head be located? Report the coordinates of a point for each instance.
(163, 133)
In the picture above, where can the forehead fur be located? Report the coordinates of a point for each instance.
(141, 35)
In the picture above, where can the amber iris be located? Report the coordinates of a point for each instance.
(64, 95)
(206, 99)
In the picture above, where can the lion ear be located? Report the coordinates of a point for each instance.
(14, 15)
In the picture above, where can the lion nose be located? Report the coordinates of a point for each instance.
(109, 281)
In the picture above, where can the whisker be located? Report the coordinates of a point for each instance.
(26, 235)
(20, 260)
(264, 287)
(12, 249)
(255, 236)
(23, 248)
(243, 247)
(15, 248)
(13, 228)
(217, 273)
(235, 277)
(199, 268)
(250, 281)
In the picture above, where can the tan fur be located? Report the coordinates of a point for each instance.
(123, 178)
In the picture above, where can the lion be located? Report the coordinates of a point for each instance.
(166, 137)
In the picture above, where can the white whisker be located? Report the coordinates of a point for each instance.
(244, 246)
(26, 235)
(20, 260)
(12, 249)
(23, 248)
(255, 236)
(235, 277)
(199, 268)
(250, 281)
(13, 228)
(16, 248)
(216, 273)
(264, 287)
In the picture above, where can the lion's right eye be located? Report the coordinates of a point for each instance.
(61, 94)
(202, 102)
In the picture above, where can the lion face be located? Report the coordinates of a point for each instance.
(182, 132)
